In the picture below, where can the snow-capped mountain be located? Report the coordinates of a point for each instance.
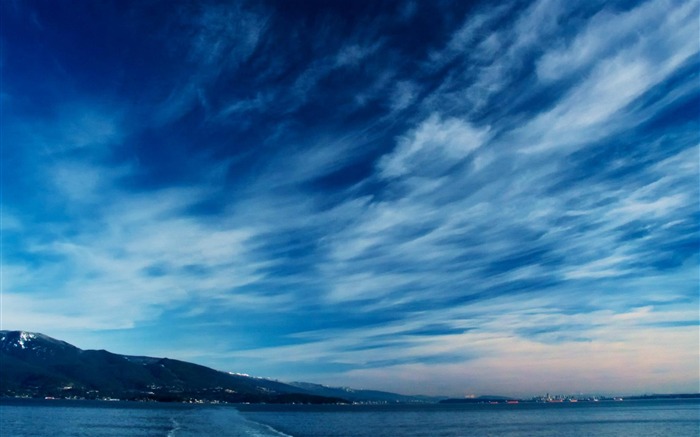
(21, 342)
(36, 365)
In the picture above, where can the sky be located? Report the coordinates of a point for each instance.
(434, 197)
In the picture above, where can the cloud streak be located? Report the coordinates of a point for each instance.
(323, 195)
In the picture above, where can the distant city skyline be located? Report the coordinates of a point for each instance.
(440, 198)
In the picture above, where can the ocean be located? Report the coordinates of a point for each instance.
(54, 418)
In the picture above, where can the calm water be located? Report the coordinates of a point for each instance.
(112, 419)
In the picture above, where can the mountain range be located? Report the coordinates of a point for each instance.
(36, 365)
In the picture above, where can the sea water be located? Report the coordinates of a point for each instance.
(58, 418)
(126, 419)
(602, 419)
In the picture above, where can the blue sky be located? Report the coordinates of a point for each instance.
(424, 197)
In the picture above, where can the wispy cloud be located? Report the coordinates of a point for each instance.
(432, 149)
(513, 193)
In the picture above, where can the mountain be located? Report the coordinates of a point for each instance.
(35, 365)
(368, 396)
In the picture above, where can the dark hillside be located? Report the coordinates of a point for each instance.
(34, 365)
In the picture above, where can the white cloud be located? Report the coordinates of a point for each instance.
(215, 41)
(611, 266)
(138, 257)
(668, 25)
(432, 148)
(80, 128)
(353, 55)
(493, 58)
(224, 34)
(403, 96)
(595, 108)
(624, 350)
(484, 213)
(471, 31)
(513, 256)
(90, 128)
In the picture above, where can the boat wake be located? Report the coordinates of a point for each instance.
(257, 429)
(172, 432)
(218, 422)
